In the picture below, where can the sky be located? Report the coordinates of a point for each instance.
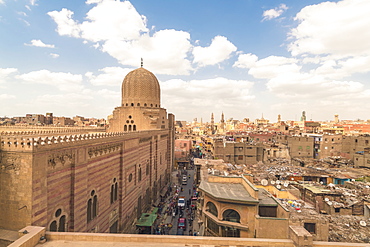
(243, 58)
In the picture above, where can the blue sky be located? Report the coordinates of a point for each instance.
(244, 57)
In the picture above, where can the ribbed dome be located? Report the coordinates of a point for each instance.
(141, 88)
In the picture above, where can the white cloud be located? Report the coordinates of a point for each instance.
(4, 73)
(22, 13)
(6, 96)
(163, 53)
(33, 2)
(274, 13)
(63, 81)
(246, 61)
(267, 68)
(333, 28)
(39, 43)
(66, 25)
(219, 50)
(110, 76)
(54, 55)
(118, 29)
(205, 95)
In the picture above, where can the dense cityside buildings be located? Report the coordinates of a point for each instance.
(289, 183)
(318, 172)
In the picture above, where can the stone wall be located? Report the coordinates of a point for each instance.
(49, 181)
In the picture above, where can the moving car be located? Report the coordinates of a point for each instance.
(181, 202)
(181, 224)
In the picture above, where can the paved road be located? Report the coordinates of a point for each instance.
(185, 193)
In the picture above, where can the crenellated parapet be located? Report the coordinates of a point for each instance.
(18, 142)
(42, 131)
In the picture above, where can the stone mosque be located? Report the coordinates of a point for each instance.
(89, 180)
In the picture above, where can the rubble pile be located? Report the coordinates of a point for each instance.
(347, 228)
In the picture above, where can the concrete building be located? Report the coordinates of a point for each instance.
(237, 152)
(234, 207)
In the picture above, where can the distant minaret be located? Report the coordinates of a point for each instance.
(222, 121)
(336, 118)
(279, 118)
(201, 121)
(303, 118)
(212, 123)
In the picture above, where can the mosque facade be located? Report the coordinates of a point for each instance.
(90, 181)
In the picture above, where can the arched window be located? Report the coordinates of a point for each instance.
(212, 208)
(132, 104)
(130, 127)
(139, 174)
(53, 226)
(125, 128)
(62, 224)
(95, 206)
(134, 127)
(231, 215)
(114, 191)
(89, 206)
(92, 206)
(59, 222)
(145, 104)
(111, 193)
(138, 104)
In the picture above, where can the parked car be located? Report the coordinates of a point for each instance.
(181, 224)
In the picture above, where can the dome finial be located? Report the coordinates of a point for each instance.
(142, 62)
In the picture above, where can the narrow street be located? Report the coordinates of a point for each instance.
(187, 192)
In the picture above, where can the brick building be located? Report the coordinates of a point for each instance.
(92, 182)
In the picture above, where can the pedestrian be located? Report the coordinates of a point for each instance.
(190, 232)
(189, 191)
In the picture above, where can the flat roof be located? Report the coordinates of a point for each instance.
(227, 191)
(265, 199)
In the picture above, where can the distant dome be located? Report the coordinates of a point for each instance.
(141, 88)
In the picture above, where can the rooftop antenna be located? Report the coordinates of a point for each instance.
(142, 62)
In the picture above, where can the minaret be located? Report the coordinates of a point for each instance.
(279, 118)
(336, 118)
(222, 121)
(212, 123)
(303, 118)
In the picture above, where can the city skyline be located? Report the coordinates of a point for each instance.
(244, 59)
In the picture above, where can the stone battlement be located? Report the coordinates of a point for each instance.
(17, 141)
(44, 130)
(13, 142)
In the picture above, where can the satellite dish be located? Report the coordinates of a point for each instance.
(278, 186)
(362, 223)
(272, 182)
(286, 184)
(264, 182)
(326, 199)
(278, 182)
